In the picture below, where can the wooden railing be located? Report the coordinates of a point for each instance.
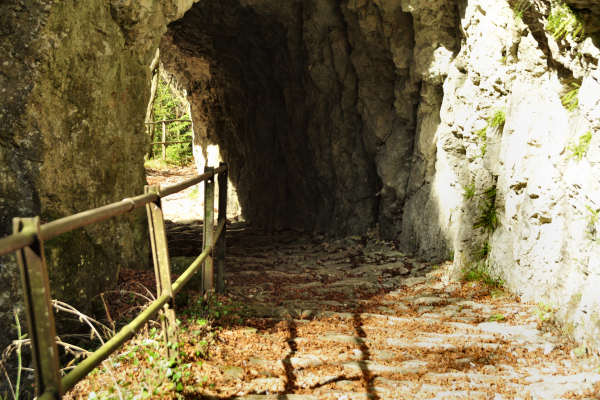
(28, 243)
(164, 141)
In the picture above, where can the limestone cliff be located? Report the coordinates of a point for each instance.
(342, 115)
(74, 82)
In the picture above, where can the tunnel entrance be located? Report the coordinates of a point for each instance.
(283, 114)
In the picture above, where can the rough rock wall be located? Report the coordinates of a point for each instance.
(310, 101)
(381, 112)
(537, 172)
(74, 80)
(333, 115)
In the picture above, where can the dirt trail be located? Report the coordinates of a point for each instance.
(308, 318)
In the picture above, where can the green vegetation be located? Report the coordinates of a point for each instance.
(469, 191)
(519, 7)
(20, 337)
(215, 311)
(544, 313)
(496, 317)
(483, 252)
(482, 135)
(488, 220)
(451, 255)
(498, 119)
(159, 376)
(479, 273)
(570, 99)
(580, 351)
(563, 22)
(579, 149)
(167, 106)
(592, 228)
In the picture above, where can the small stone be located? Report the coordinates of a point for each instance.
(233, 372)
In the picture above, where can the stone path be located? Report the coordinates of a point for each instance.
(356, 319)
(308, 318)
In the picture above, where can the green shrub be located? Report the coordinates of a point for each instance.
(469, 191)
(579, 149)
(570, 99)
(498, 119)
(488, 219)
(480, 273)
(519, 7)
(483, 252)
(482, 135)
(544, 312)
(563, 22)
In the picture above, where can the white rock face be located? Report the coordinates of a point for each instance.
(546, 176)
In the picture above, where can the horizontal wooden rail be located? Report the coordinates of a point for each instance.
(52, 229)
(177, 187)
(175, 142)
(96, 358)
(28, 243)
(168, 121)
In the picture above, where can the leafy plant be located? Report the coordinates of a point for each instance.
(480, 273)
(177, 374)
(570, 99)
(498, 119)
(544, 312)
(482, 135)
(488, 220)
(484, 251)
(579, 149)
(496, 317)
(563, 22)
(469, 191)
(214, 310)
(194, 193)
(519, 7)
(495, 120)
(451, 255)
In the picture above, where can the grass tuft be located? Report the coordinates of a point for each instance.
(498, 119)
(578, 150)
(480, 273)
(488, 219)
(563, 22)
(519, 7)
(469, 191)
(570, 99)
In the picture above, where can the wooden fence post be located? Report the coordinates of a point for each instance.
(162, 267)
(40, 316)
(208, 280)
(164, 139)
(220, 245)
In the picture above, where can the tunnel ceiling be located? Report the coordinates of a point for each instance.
(301, 99)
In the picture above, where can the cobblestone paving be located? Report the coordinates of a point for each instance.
(356, 319)
(313, 318)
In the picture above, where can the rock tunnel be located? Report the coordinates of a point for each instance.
(334, 116)
(284, 112)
